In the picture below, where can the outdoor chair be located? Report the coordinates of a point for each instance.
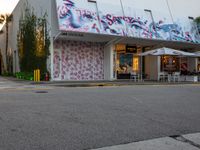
(134, 76)
(162, 76)
(176, 76)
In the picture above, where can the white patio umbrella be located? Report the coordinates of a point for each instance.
(197, 54)
(165, 51)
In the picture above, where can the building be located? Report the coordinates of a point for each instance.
(100, 39)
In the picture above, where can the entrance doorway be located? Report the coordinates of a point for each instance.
(127, 61)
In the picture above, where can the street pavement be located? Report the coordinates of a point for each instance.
(9, 83)
(6, 83)
(39, 117)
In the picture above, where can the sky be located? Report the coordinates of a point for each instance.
(7, 6)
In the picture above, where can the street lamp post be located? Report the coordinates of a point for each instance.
(170, 12)
(153, 21)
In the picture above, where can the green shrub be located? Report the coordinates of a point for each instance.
(24, 75)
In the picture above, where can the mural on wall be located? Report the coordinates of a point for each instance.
(78, 60)
(112, 22)
(190, 31)
(81, 17)
(182, 29)
(73, 18)
(138, 24)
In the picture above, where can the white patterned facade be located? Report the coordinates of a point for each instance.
(78, 61)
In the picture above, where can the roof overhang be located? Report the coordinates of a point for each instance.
(104, 38)
(154, 43)
(88, 37)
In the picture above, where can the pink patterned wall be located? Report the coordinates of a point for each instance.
(78, 60)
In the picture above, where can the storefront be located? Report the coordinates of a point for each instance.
(91, 41)
(198, 65)
(170, 64)
(126, 60)
(92, 61)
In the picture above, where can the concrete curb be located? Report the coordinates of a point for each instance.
(100, 83)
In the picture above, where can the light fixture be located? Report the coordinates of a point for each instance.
(147, 10)
(192, 18)
(92, 1)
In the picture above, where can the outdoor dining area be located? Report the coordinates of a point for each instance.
(173, 66)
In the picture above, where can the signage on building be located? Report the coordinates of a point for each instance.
(131, 49)
(120, 48)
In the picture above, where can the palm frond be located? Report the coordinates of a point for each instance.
(5, 18)
(197, 20)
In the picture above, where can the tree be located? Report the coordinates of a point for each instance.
(6, 18)
(197, 20)
(1, 58)
(33, 42)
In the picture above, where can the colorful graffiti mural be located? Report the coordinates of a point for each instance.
(78, 61)
(76, 16)
(72, 18)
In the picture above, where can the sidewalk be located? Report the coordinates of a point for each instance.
(109, 83)
(95, 83)
(184, 142)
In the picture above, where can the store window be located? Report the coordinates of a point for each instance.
(126, 61)
(170, 64)
(135, 64)
(198, 65)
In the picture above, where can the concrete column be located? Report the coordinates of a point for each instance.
(51, 47)
(108, 62)
(152, 66)
(51, 58)
(192, 64)
(159, 64)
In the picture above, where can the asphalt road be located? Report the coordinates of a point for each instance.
(86, 118)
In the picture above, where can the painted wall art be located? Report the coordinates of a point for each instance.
(75, 60)
(107, 18)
